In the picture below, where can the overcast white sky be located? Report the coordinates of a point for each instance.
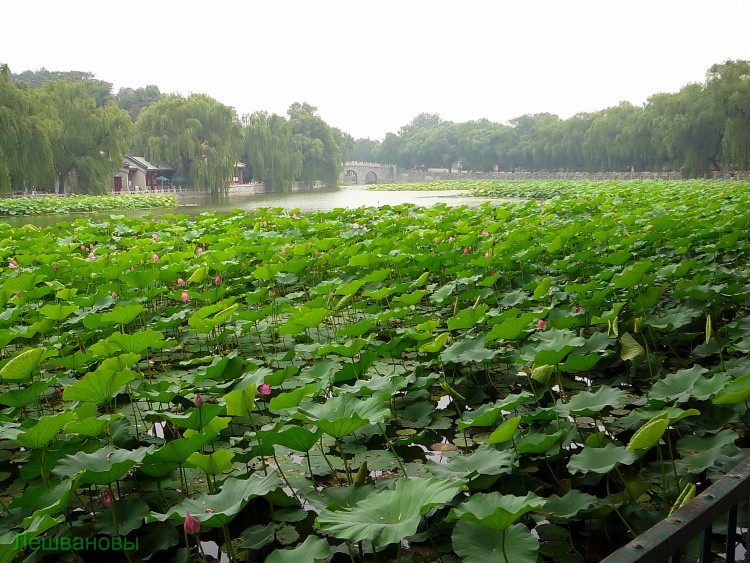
(371, 66)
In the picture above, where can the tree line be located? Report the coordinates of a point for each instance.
(69, 129)
(703, 127)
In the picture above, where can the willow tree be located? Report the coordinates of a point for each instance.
(274, 157)
(728, 86)
(88, 142)
(25, 150)
(321, 156)
(198, 136)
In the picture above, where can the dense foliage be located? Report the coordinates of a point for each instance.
(273, 156)
(538, 380)
(702, 127)
(197, 135)
(82, 203)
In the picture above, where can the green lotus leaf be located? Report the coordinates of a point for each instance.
(26, 396)
(139, 279)
(632, 275)
(476, 544)
(123, 314)
(130, 515)
(343, 414)
(295, 438)
(551, 346)
(470, 349)
(631, 348)
(677, 387)
(585, 403)
(58, 311)
(51, 499)
(648, 435)
(312, 549)
(467, 318)
(102, 467)
(92, 426)
(214, 463)
(388, 516)
(21, 366)
(505, 431)
(736, 391)
(138, 342)
(46, 428)
(99, 386)
(566, 507)
(292, 399)
(215, 511)
(178, 451)
(495, 511)
(539, 442)
(240, 402)
(600, 460)
(196, 418)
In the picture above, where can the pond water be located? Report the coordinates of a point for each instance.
(304, 201)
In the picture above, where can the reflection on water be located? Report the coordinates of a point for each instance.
(304, 201)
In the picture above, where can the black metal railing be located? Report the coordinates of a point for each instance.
(667, 540)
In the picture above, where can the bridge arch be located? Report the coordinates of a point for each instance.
(368, 173)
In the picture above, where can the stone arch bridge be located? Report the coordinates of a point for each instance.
(369, 173)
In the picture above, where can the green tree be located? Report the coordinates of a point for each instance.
(321, 156)
(345, 143)
(274, 157)
(728, 86)
(25, 149)
(364, 150)
(197, 135)
(133, 101)
(88, 142)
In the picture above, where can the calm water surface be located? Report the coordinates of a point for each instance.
(313, 200)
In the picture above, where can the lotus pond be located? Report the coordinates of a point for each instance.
(532, 381)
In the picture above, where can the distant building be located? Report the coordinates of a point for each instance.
(138, 175)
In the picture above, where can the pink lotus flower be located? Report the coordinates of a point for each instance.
(114, 295)
(487, 254)
(55, 267)
(579, 309)
(217, 280)
(198, 401)
(264, 389)
(484, 234)
(365, 229)
(155, 257)
(295, 216)
(180, 282)
(355, 225)
(107, 499)
(185, 297)
(192, 526)
(199, 250)
(19, 293)
(12, 263)
(91, 246)
(83, 247)
(92, 256)
(154, 236)
(132, 268)
(541, 324)
(451, 239)
(466, 250)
